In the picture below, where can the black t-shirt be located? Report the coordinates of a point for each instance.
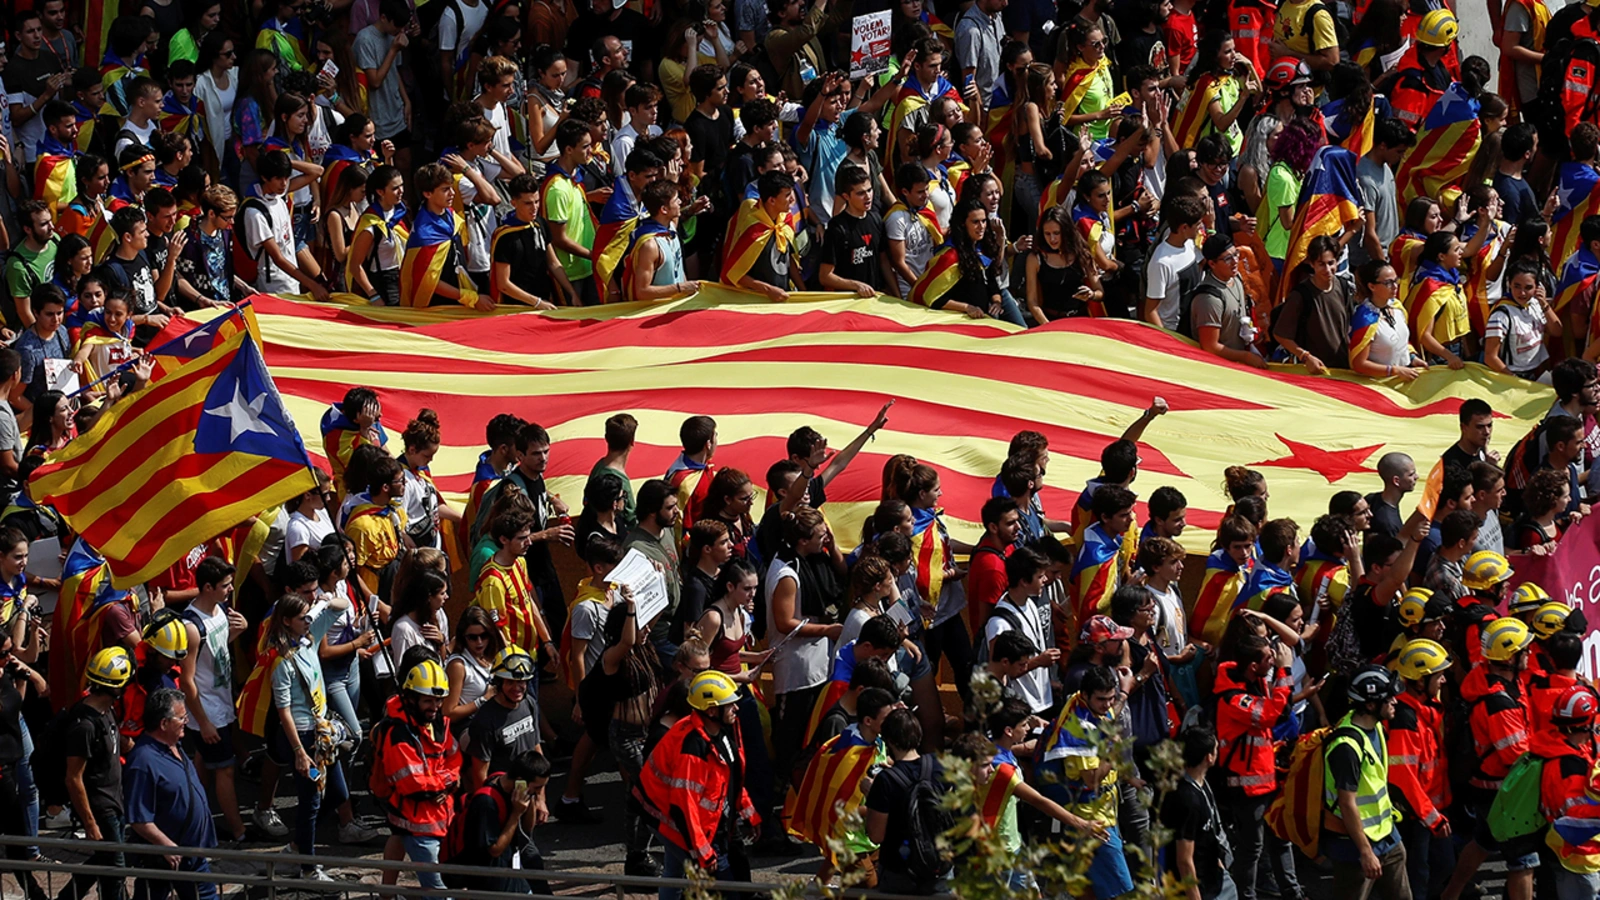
(156, 253)
(1190, 810)
(694, 595)
(891, 797)
(92, 737)
(1219, 199)
(28, 76)
(10, 717)
(484, 821)
(498, 734)
(740, 168)
(135, 276)
(852, 244)
(771, 265)
(629, 27)
(1375, 625)
(1385, 518)
(524, 251)
(1344, 766)
(712, 140)
(1459, 457)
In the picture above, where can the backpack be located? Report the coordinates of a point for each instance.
(981, 652)
(454, 844)
(1524, 458)
(1269, 343)
(926, 821)
(1186, 305)
(1297, 814)
(49, 759)
(1566, 81)
(1515, 811)
(247, 265)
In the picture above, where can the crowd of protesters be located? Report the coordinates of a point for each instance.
(1145, 159)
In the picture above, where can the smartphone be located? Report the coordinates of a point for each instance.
(520, 786)
(331, 68)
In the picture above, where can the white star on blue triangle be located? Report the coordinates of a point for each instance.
(242, 413)
(196, 342)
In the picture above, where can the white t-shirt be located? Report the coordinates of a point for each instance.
(404, 633)
(1172, 632)
(1033, 686)
(455, 34)
(1521, 332)
(1161, 278)
(258, 229)
(622, 145)
(502, 128)
(801, 662)
(144, 132)
(481, 218)
(29, 133)
(906, 226)
(307, 531)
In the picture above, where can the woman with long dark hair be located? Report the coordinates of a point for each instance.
(985, 188)
(52, 423)
(961, 277)
(254, 103)
(1061, 276)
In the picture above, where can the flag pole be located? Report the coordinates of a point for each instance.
(233, 309)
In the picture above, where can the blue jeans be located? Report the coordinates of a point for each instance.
(424, 850)
(1576, 885)
(26, 788)
(311, 794)
(111, 830)
(343, 678)
(1009, 310)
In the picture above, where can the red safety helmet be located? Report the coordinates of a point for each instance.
(1577, 705)
(1287, 72)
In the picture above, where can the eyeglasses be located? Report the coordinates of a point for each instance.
(1098, 45)
(1229, 259)
(1389, 282)
(477, 636)
(228, 54)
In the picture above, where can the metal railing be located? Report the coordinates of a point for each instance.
(280, 871)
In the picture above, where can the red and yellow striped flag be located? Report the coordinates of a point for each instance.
(254, 704)
(1446, 143)
(761, 369)
(831, 787)
(179, 462)
(747, 238)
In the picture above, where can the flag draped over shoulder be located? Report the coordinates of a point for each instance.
(1096, 572)
(831, 787)
(1445, 145)
(617, 221)
(55, 175)
(1350, 132)
(429, 249)
(942, 274)
(180, 118)
(1264, 582)
(912, 97)
(1577, 198)
(179, 462)
(691, 481)
(646, 231)
(85, 590)
(392, 223)
(1329, 197)
(1219, 588)
(930, 552)
(1477, 282)
(747, 239)
(1315, 571)
(254, 704)
(1195, 115)
(1577, 279)
(338, 158)
(1437, 305)
(1080, 78)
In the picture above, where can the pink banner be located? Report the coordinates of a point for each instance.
(1571, 575)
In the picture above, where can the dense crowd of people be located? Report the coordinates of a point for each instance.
(1320, 183)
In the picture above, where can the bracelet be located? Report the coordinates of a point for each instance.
(1388, 370)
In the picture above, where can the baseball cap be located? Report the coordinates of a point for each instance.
(1215, 246)
(1104, 628)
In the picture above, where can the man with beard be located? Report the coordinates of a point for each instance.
(416, 764)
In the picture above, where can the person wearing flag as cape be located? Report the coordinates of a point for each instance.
(1441, 328)
(1231, 561)
(434, 266)
(961, 277)
(1575, 290)
(180, 108)
(836, 782)
(1226, 86)
(1280, 551)
(349, 424)
(623, 212)
(911, 228)
(921, 90)
(378, 243)
(1088, 96)
(759, 255)
(523, 265)
(55, 173)
(652, 267)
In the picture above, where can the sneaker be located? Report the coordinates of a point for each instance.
(60, 820)
(315, 873)
(574, 811)
(267, 820)
(353, 832)
(641, 865)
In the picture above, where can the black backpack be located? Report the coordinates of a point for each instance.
(926, 820)
(49, 759)
(981, 652)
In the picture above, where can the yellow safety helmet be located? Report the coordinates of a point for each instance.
(712, 689)
(1551, 618)
(166, 635)
(111, 667)
(427, 677)
(1527, 598)
(1421, 658)
(1486, 568)
(1438, 28)
(1505, 638)
(1414, 606)
(513, 664)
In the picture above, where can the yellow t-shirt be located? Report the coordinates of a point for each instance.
(1301, 36)
(1103, 809)
(377, 542)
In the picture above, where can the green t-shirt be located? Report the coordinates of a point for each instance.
(1283, 189)
(628, 511)
(183, 46)
(567, 204)
(26, 270)
(482, 552)
(1228, 94)
(1098, 97)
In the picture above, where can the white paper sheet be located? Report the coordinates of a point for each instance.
(648, 585)
(44, 561)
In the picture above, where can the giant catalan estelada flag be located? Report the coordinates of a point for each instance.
(193, 454)
(962, 388)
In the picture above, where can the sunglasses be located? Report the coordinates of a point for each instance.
(477, 636)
